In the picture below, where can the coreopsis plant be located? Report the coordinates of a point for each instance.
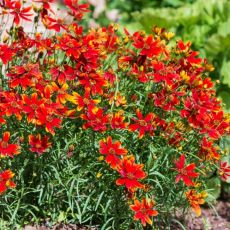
(140, 110)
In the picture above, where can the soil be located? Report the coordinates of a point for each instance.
(211, 220)
(218, 219)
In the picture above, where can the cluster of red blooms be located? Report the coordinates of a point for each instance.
(130, 175)
(132, 84)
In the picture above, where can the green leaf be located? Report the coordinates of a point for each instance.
(62, 216)
(225, 95)
(213, 188)
(217, 43)
(225, 72)
(224, 28)
(149, 17)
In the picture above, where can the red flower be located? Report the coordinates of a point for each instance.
(62, 74)
(130, 173)
(88, 59)
(208, 151)
(165, 73)
(2, 113)
(143, 211)
(143, 125)
(95, 119)
(6, 53)
(39, 144)
(5, 180)
(94, 82)
(113, 151)
(110, 76)
(47, 118)
(117, 121)
(203, 112)
(54, 24)
(7, 149)
(31, 105)
(185, 172)
(217, 126)
(141, 73)
(168, 97)
(183, 47)
(18, 11)
(224, 171)
(26, 75)
(11, 103)
(71, 46)
(148, 45)
(77, 9)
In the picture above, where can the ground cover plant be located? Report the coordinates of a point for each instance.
(102, 129)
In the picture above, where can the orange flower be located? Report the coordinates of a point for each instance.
(95, 82)
(130, 173)
(84, 101)
(7, 149)
(143, 211)
(61, 92)
(118, 99)
(196, 199)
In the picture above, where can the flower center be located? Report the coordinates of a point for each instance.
(130, 176)
(34, 106)
(183, 172)
(49, 118)
(142, 123)
(37, 146)
(117, 123)
(4, 144)
(112, 151)
(86, 101)
(14, 104)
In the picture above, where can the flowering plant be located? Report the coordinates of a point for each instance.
(135, 115)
